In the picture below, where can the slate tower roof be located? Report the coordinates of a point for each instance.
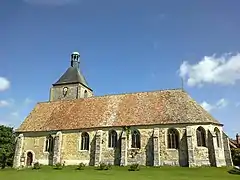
(73, 73)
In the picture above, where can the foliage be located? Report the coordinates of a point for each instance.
(36, 165)
(236, 156)
(104, 166)
(58, 166)
(81, 166)
(127, 129)
(7, 142)
(134, 167)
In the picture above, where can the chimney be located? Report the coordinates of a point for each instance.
(75, 59)
(238, 139)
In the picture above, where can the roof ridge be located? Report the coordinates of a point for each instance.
(120, 94)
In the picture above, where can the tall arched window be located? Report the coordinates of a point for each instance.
(85, 141)
(136, 139)
(49, 144)
(173, 139)
(218, 137)
(201, 137)
(85, 94)
(112, 139)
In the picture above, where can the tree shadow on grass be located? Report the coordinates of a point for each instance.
(234, 171)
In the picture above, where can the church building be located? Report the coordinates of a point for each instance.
(157, 128)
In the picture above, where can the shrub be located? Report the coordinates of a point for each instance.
(81, 166)
(36, 165)
(58, 166)
(104, 166)
(236, 156)
(134, 167)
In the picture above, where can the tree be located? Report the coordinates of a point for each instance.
(7, 142)
(236, 156)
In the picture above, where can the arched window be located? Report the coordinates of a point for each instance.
(49, 144)
(201, 137)
(85, 94)
(85, 141)
(112, 139)
(218, 137)
(136, 139)
(173, 139)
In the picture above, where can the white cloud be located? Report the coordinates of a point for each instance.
(221, 103)
(224, 70)
(218, 105)
(51, 2)
(4, 84)
(207, 106)
(17, 112)
(27, 101)
(4, 103)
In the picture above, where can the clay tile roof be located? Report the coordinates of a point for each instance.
(146, 108)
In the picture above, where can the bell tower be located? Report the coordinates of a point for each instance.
(72, 84)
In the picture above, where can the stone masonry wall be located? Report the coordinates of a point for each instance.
(70, 153)
(75, 91)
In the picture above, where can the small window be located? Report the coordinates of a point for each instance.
(173, 139)
(112, 139)
(136, 139)
(85, 94)
(85, 141)
(201, 137)
(49, 144)
(218, 137)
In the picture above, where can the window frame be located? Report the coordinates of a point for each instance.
(112, 139)
(49, 144)
(201, 137)
(135, 139)
(172, 138)
(85, 142)
(218, 137)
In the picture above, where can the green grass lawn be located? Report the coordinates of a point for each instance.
(119, 173)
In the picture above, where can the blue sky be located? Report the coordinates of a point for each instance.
(125, 46)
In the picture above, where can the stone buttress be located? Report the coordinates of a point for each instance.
(18, 151)
(98, 148)
(156, 147)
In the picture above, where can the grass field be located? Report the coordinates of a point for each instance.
(119, 173)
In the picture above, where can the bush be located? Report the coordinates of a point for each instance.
(134, 167)
(104, 166)
(58, 166)
(236, 156)
(36, 165)
(81, 166)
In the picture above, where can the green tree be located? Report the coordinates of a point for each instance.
(236, 156)
(7, 141)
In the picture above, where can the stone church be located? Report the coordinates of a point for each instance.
(165, 127)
